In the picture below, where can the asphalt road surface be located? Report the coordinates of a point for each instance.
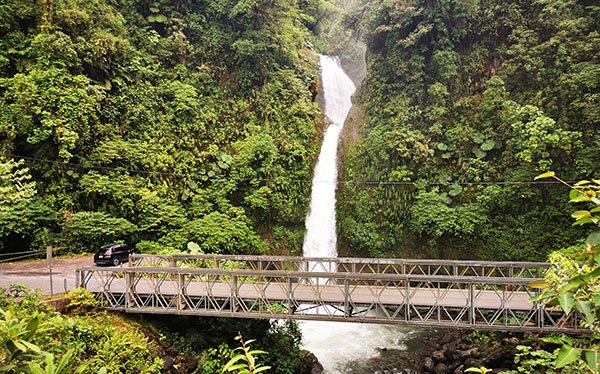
(35, 274)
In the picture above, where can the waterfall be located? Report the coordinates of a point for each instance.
(340, 347)
(320, 237)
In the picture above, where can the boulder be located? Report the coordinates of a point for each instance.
(441, 369)
(309, 364)
(428, 364)
(496, 357)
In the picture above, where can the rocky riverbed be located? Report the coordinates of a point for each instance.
(442, 352)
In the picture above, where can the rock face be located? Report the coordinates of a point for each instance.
(310, 364)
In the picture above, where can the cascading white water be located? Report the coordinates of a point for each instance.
(320, 238)
(336, 344)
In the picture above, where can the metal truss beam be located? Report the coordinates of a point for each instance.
(475, 302)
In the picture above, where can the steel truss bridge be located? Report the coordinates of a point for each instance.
(434, 293)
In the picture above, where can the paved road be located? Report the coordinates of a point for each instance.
(34, 274)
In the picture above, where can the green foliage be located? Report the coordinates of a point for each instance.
(460, 92)
(219, 233)
(50, 366)
(15, 184)
(214, 359)
(15, 335)
(37, 339)
(575, 287)
(81, 301)
(83, 231)
(250, 366)
(432, 216)
(171, 111)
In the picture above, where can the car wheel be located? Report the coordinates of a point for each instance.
(116, 261)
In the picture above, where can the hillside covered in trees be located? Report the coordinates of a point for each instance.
(167, 122)
(159, 122)
(460, 95)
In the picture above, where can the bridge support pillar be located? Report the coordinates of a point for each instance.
(471, 304)
(129, 279)
(78, 278)
(288, 297)
(179, 291)
(234, 294)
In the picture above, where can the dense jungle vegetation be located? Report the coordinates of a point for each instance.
(158, 123)
(36, 339)
(460, 94)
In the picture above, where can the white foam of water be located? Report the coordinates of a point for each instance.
(320, 238)
(337, 343)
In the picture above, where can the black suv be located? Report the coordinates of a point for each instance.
(113, 254)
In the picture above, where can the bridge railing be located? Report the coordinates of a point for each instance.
(347, 265)
(440, 300)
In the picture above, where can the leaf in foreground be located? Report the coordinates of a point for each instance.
(593, 361)
(566, 355)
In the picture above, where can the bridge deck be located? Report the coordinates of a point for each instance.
(439, 300)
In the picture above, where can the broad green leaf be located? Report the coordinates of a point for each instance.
(455, 190)
(236, 367)
(566, 301)
(595, 210)
(488, 145)
(31, 347)
(597, 299)
(261, 369)
(593, 239)
(585, 307)
(442, 147)
(573, 283)
(548, 174)
(566, 355)
(591, 275)
(257, 352)
(540, 283)
(592, 359)
(581, 214)
(552, 302)
(556, 339)
(579, 198)
(583, 221)
(478, 138)
(583, 182)
(574, 194)
(479, 153)
(31, 327)
(234, 360)
(542, 296)
(64, 361)
(35, 369)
